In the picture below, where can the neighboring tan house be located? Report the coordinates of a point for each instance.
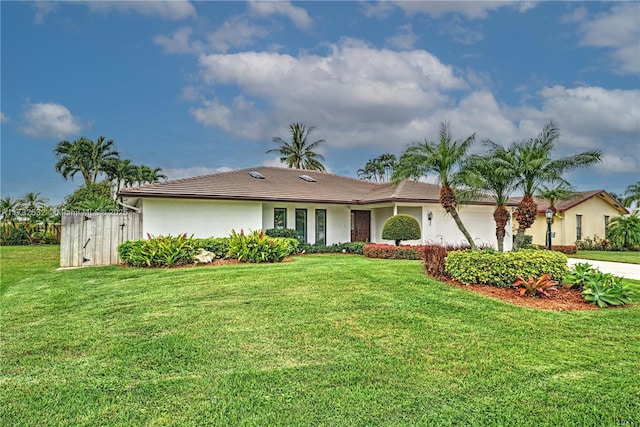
(586, 215)
(324, 208)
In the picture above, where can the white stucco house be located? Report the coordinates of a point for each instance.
(323, 207)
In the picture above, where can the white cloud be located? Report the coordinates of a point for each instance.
(179, 173)
(617, 30)
(461, 32)
(42, 9)
(468, 9)
(49, 120)
(405, 39)
(297, 15)
(167, 9)
(235, 32)
(4, 118)
(179, 42)
(614, 163)
(241, 118)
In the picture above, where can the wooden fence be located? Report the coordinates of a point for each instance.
(93, 238)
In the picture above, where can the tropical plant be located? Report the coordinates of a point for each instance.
(489, 176)
(256, 246)
(605, 289)
(579, 275)
(445, 159)
(122, 172)
(401, 227)
(533, 166)
(299, 154)
(8, 210)
(85, 157)
(379, 169)
(552, 195)
(624, 230)
(160, 251)
(532, 287)
(145, 175)
(91, 195)
(632, 195)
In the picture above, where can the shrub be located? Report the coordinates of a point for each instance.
(45, 238)
(217, 245)
(401, 227)
(282, 232)
(374, 250)
(348, 247)
(565, 249)
(624, 231)
(256, 246)
(14, 236)
(579, 275)
(500, 268)
(160, 251)
(434, 256)
(593, 244)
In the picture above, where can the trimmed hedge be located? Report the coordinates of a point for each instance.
(348, 247)
(401, 227)
(374, 250)
(489, 267)
(289, 233)
(434, 256)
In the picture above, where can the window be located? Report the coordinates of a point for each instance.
(321, 226)
(301, 225)
(578, 227)
(606, 226)
(280, 218)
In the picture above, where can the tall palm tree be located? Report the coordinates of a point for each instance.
(486, 175)
(123, 172)
(532, 164)
(299, 154)
(632, 195)
(8, 208)
(146, 175)
(32, 201)
(379, 169)
(85, 157)
(446, 159)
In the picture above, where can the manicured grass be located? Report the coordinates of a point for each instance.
(322, 340)
(614, 256)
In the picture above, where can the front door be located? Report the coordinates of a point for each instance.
(360, 226)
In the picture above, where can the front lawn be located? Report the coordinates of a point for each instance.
(613, 256)
(322, 340)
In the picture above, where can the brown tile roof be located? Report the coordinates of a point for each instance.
(285, 185)
(581, 196)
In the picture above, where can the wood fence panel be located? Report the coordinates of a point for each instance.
(92, 238)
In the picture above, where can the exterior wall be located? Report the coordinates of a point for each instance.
(338, 220)
(593, 212)
(202, 218)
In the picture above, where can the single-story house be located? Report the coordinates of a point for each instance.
(323, 207)
(585, 215)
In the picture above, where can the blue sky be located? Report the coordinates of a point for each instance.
(200, 87)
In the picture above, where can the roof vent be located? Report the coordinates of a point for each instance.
(307, 178)
(256, 175)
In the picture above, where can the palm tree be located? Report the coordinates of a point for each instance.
(632, 195)
(32, 201)
(123, 172)
(8, 208)
(379, 169)
(299, 154)
(486, 175)
(624, 231)
(85, 157)
(560, 192)
(146, 175)
(446, 159)
(531, 162)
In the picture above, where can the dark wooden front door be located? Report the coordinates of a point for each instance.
(360, 226)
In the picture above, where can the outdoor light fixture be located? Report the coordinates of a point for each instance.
(430, 217)
(549, 215)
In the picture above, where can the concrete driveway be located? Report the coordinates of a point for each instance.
(629, 271)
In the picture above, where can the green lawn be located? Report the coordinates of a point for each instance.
(324, 340)
(614, 256)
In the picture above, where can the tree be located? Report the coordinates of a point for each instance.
(122, 172)
(401, 227)
(8, 208)
(146, 175)
(560, 192)
(533, 166)
(624, 231)
(486, 175)
(379, 169)
(85, 157)
(445, 159)
(299, 154)
(632, 195)
(87, 195)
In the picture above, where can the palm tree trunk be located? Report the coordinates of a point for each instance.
(527, 210)
(501, 218)
(463, 229)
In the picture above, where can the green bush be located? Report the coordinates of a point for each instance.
(500, 268)
(401, 227)
(160, 251)
(604, 289)
(593, 244)
(282, 232)
(14, 236)
(434, 256)
(256, 246)
(348, 248)
(217, 245)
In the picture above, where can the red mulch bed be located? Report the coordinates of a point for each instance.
(561, 300)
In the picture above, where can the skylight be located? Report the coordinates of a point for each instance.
(256, 175)
(307, 178)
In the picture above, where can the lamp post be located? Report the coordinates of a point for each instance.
(549, 214)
